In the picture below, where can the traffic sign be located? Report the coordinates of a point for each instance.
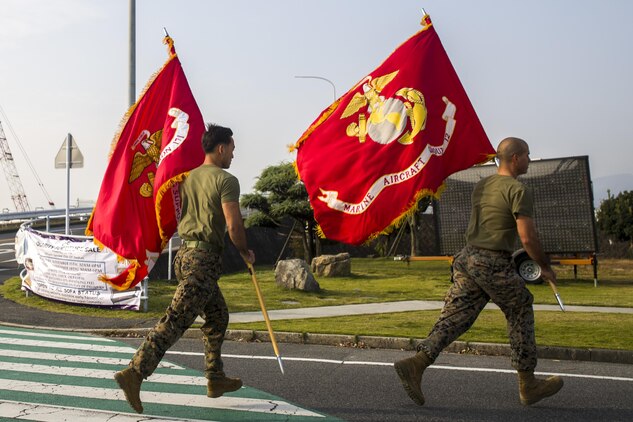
(76, 157)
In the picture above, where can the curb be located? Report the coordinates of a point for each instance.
(394, 343)
(369, 342)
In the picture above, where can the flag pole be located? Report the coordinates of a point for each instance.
(557, 296)
(265, 313)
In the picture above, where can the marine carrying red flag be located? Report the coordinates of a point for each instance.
(138, 206)
(390, 140)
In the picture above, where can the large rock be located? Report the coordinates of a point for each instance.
(339, 265)
(295, 274)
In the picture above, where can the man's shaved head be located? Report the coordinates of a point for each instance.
(510, 146)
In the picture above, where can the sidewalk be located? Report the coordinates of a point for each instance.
(19, 315)
(388, 307)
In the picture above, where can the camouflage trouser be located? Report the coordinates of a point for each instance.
(480, 275)
(198, 293)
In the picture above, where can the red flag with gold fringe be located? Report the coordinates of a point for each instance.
(390, 140)
(138, 206)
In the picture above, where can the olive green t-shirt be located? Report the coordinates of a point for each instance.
(496, 202)
(202, 193)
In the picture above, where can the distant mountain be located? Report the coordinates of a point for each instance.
(616, 184)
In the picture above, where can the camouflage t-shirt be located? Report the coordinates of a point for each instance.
(496, 202)
(202, 193)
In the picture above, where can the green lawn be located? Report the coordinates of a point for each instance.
(381, 280)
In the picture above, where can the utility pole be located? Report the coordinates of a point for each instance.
(11, 174)
(132, 90)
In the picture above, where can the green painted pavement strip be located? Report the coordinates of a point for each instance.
(75, 340)
(57, 380)
(158, 410)
(108, 382)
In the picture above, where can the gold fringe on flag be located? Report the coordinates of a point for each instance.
(134, 265)
(159, 197)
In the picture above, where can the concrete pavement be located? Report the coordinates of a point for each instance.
(389, 307)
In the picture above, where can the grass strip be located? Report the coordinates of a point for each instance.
(578, 330)
(383, 280)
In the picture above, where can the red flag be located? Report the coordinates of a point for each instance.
(159, 142)
(390, 140)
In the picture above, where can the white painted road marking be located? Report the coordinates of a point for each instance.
(367, 363)
(73, 346)
(76, 358)
(56, 336)
(97, 373)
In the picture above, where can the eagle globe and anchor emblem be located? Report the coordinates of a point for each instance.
(387, 116)
(386, 123)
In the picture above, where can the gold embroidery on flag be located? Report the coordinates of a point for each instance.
(388, 117)
(330, 197)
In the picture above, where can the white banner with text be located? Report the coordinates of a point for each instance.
(67, 269)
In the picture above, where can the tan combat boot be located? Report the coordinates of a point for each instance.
(532, 389)
(130, 382)
(410, 372)
(218, 384)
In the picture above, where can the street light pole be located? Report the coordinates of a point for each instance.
(323, 79)
(132, 68)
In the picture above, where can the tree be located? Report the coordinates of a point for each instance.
(615, 216)
(414, 221)
(279, 194)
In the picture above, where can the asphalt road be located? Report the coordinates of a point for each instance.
(8, 266)
(361, 384)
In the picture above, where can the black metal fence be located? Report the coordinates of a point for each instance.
(563, 203)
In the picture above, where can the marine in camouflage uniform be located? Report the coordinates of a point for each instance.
(481, 275)
(483, 270)
(210, 206)
(198, 293)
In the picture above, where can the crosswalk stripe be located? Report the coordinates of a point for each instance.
(50, 376)
(51, 413)
(56, 336)
(243, 404)
(76, 358)
(74, 346)
(97, 373)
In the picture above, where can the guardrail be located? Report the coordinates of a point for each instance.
(13, 220)
(30, 215)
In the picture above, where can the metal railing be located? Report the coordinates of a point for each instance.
(30, 215)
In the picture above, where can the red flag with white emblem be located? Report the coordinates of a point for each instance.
(138, 206)
(390, 140)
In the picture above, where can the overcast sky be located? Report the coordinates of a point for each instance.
(557, 73)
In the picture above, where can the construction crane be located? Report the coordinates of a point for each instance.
(11, 174)
(10, 171)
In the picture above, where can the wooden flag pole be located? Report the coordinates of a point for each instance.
(558, 299)
(265, 313)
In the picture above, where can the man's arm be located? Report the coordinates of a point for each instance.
(235, 227)
(532, 245)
